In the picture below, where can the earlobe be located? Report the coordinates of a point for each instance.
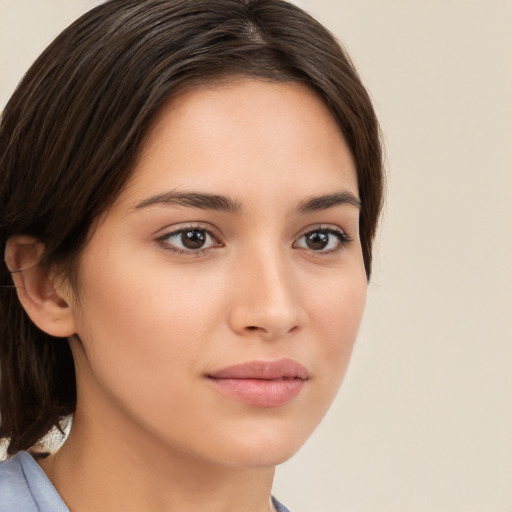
(44, 301)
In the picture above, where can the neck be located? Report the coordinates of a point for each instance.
(108, 468)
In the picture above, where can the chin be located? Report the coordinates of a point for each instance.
(261, 456)
(258, 446)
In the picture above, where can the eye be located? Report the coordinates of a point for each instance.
(189, 240)
(323, 240)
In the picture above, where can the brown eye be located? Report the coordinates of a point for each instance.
(193, 239)
(323, 240)
(189, 240)
(317, 240)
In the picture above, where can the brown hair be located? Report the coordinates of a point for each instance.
(71, 131)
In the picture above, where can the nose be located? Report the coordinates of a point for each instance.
(265, 299)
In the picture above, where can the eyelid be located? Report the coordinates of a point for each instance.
(323, 227)
(343, 237)
(190, 226)
(181, 226)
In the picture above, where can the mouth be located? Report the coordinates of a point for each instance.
(261, 383)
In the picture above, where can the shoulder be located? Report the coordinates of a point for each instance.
(15, 493)
(25, 488)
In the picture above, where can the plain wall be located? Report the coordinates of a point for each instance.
(424, 419)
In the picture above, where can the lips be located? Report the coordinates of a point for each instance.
(261, 383)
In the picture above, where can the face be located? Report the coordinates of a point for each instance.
(220, 296)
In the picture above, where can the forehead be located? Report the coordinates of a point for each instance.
(244, 135)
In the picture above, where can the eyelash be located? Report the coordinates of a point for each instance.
(163, 240)
(343, 240)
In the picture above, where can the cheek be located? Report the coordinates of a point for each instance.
(144, 335)
(138, 317)
(337, 314)
(343, 308)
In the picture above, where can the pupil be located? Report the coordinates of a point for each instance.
(193, 239)
(317, 240)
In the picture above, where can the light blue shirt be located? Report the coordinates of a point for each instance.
(24, 487)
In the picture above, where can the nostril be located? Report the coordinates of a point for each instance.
(252, 328)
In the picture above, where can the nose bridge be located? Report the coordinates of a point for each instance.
(266, 294)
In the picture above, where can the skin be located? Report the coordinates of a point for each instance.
(150, 431)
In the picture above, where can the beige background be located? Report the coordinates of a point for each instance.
(424, 419)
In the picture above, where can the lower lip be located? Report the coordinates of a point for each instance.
(260, 392)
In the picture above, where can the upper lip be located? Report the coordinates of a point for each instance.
(265, 370)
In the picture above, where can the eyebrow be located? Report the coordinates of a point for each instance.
(324, 202)
(225, 204)
(193, 200)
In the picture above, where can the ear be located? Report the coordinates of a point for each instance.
(45, 298)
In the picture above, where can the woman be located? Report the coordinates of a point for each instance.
(189, 190)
